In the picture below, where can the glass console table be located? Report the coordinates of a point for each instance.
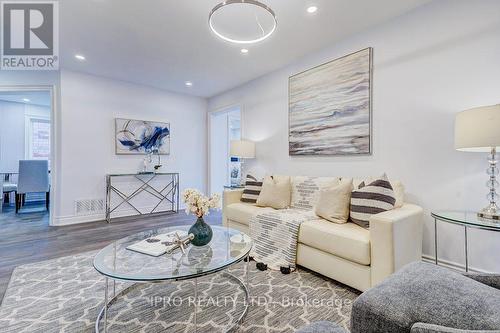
(142, 194)
(465, 219)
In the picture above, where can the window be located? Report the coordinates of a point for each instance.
(38, 139)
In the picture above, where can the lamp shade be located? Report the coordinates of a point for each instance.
(478, 129)
(242, 149)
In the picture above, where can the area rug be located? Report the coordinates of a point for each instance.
(66, 294)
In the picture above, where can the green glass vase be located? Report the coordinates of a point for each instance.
(202, 232)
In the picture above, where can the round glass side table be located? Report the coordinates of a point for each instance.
(465, 219)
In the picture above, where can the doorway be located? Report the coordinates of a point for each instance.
(224, 126)
(27, 153)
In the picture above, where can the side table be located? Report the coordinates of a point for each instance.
(467, 220)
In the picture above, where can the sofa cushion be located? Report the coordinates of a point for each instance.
(397, 186)
(348, 240)
(333, 203)
(305, 190)
(242, 212)
(275, 192)
(252, 189)
(427, 293)
(374, 198)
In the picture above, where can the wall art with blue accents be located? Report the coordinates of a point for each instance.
(141, 137)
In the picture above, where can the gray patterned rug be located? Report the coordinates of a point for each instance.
(65, 295)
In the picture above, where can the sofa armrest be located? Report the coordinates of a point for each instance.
(229, 197)
(489, 279)
(430, 328)
(396, 240)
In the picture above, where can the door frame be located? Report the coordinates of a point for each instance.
(221, 110)
(54, 137)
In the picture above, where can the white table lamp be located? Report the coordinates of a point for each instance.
(242, 149)
(478, 130)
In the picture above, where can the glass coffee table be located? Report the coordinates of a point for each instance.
(116, 263)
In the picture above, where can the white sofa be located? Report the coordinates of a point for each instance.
(348, 253)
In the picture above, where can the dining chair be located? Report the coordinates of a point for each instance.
(33, 178)
(9, 184)
(1, 192)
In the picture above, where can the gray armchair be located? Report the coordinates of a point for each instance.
(425, 298)
(33, 178)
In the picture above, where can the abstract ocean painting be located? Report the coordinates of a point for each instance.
(141, 137)
(330, 107)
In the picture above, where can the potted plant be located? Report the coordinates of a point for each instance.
(200, 205)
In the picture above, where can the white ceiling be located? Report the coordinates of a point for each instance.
(163, 43)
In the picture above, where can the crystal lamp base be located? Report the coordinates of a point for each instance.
(491, 212)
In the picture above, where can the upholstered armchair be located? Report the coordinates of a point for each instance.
(425, 298)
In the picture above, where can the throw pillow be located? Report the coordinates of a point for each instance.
(275, 192)
(374, 198)
(251, 190)
(305, 190)
(333, 203)
(397, 187)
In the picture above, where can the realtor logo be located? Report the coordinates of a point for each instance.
(29, 35)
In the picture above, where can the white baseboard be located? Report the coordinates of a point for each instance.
(77, 219)
(451, 264)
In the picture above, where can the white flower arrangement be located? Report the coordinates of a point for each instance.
(198, 203)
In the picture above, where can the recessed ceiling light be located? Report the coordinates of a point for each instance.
(26, 100)
(312, 9)
(244, 51)
(80, 57)
(188, 84)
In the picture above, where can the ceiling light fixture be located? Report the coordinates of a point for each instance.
(263, 30)
(312, 9)
(26, 100)
(188, 84)
(244, 51)
(80, 57)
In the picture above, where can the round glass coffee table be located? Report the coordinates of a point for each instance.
(117, 263)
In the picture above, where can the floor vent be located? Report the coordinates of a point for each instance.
(89, 207)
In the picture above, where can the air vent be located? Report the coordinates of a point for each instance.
(89, 207)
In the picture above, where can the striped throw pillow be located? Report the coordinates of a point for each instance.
(374, 198)
(252, 189)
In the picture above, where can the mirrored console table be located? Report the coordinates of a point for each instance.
(141, 194)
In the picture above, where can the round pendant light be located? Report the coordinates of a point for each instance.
(242, 21)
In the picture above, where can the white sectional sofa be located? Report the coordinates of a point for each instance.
(348, 253)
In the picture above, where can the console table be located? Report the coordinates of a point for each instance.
(160, 189)
(467, 220)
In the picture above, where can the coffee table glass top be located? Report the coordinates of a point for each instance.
(467, 218)
(117, 262)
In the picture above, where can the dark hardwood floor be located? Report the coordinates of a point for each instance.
(27, 237)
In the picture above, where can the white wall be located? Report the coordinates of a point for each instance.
(11, 135)
(89, 105)
(428, 65)
(12, 132)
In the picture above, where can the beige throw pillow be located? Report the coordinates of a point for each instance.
(275, 193)
(333, 203)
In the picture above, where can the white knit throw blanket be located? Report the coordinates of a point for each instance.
(275, 235)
